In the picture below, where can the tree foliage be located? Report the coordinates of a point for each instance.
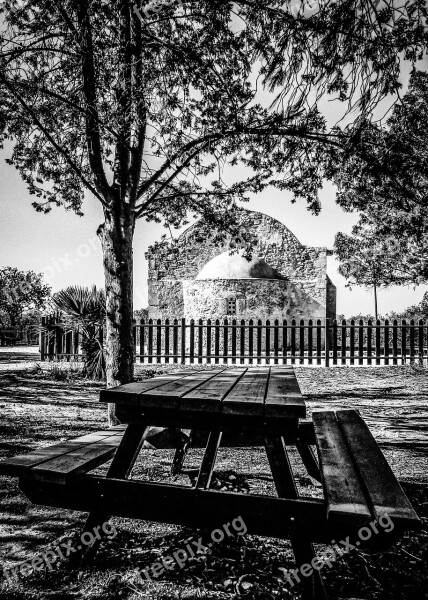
(387, 181)
(153, 110)
(84, 310)
(21, 292)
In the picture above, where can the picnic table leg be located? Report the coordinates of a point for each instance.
(312, 587)
(181, 451)
(309, 460)
(208, 461)
(120, 468)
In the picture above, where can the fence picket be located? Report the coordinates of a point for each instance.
(251, 341)
(395, 342)
(343, 342)
(242, 342)
(234, 342)
(361, 342)
(217, 342)
(412, 341)
(377, 334)
(150, 342)
(259, 341)
(284, 343)
(302, 341)
(225, 341)
(192, 341)
(167, 330)
(421, 342)
(310, 341)
(293, 342)
(276, 341)
(403, 342)
(183, 341)
(386, 342)
(200, 340)
(175, 341)
(319, 341)
(352, 342)
(159, 341)
(335, 342)
(142, 332)
(369, 341)
(209, 328)
(267, 342)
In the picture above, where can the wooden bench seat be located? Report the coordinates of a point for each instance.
(59, 461)
(358, 482)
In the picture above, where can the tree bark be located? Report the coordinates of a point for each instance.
(116, 235)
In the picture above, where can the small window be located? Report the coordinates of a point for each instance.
(231, 306)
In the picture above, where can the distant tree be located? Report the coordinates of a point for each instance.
(366, 261)
(143, 111)
(21, 293)
(386, 180)
(84, 309)
(416, 312)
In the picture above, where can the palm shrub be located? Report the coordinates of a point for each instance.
(85, 309)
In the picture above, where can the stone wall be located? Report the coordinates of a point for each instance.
(303, 266)
(255, 299)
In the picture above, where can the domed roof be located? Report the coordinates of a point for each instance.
(236, 266)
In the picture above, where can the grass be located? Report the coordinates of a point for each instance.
(38, 409)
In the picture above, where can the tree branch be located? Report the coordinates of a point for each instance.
(57, 147)
(93, 137)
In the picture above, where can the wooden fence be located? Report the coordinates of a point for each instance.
(259, 343)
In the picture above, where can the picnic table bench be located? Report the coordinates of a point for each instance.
(358, 484)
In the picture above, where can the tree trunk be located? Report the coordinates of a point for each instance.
(116, 235)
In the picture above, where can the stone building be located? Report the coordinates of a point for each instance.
(202, 280)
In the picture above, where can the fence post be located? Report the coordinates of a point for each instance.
(42, 340)
(159, 341)
(142, 334)
(183, 341)
(327, 342)
(150, 341)
(192, 341)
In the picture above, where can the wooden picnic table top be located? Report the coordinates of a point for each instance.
(263, 394)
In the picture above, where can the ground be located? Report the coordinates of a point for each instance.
(38, 408)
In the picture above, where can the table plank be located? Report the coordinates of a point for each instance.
(208, 397)
(385, 492)
(247, 397)
(15, 465)
(178, 389)
(284, 398)
(129, 391)
(81, 460)
(342, 488)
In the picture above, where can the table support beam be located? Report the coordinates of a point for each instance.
(208, 462)
(121, 467)
(312, 587)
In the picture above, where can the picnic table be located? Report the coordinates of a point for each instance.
(358, 484)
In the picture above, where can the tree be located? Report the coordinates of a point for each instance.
(387, 182)
(145, 113)
(367, 261)
(84, 310)
(21, 292)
